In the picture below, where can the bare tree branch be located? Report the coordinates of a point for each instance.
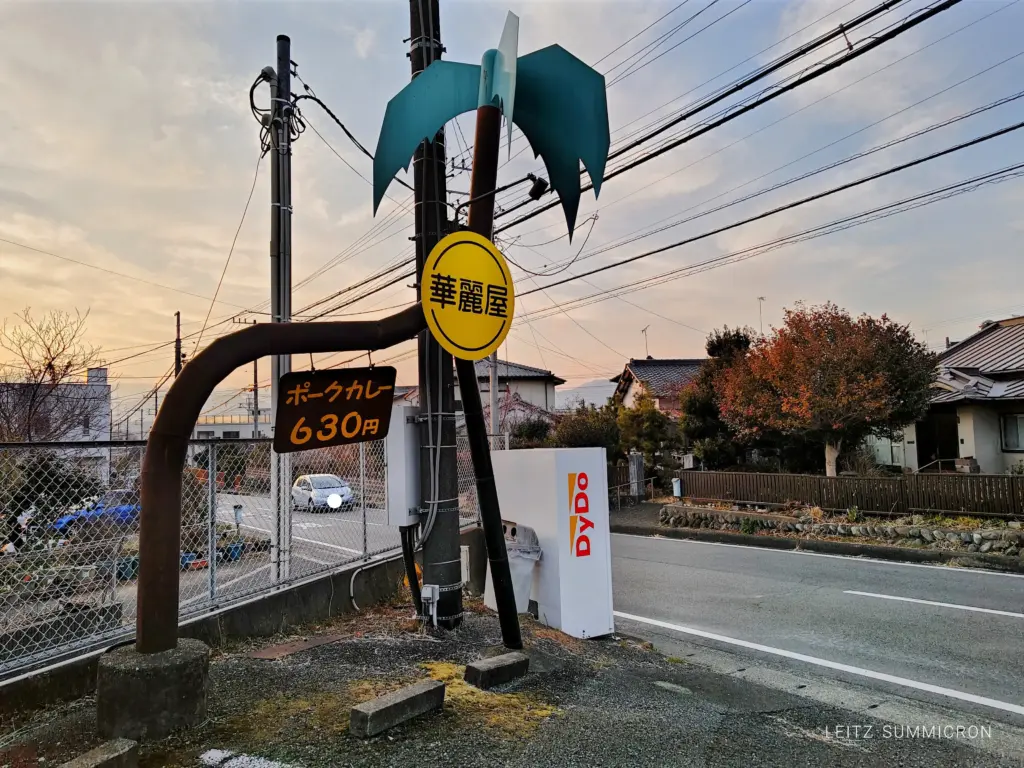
(44, 394)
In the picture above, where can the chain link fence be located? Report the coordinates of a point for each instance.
(469, 508)
(69, 533)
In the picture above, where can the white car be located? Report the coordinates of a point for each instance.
(313, 492)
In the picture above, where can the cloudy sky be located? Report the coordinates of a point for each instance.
(129, 151)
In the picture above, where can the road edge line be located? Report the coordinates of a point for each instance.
(1003, 706)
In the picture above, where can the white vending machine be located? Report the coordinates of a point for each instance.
(562, 494)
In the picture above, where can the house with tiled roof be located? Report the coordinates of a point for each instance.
(523, 392)
(976, 418)
(662, 379)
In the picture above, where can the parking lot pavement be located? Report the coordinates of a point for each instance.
(327, 536)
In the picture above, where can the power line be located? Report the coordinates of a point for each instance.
(848, 222)
(803, 50)
(653, 230)
(111, 271)
(797, 203)
(743, 82)
(825, 68)
(634, 37)
(638, 65)
(231, 250)
(862, 154)
(789, 57)
(651, 46)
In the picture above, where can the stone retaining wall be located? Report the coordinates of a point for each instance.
(1005, 541)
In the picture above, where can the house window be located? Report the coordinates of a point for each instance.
(201, 434)
(229, 435)
(1013, 431)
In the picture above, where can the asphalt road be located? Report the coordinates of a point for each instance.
(324, 537)
(855, 616)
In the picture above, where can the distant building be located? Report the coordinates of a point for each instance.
(535, 386)
(523, 392)
(68, 412)
(661, 379)
(233, 426)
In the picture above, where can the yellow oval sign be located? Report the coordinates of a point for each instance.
(467, 295)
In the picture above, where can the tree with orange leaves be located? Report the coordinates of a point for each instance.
(829, 377)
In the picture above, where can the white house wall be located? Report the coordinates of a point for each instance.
(535, 392)
(910, 447)
(632, 392)
(978, 429)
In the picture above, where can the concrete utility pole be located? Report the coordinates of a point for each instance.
(255, 383)
(439, 488)
(280, 291)
(177, 344)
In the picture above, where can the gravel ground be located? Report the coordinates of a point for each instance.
(612, 702)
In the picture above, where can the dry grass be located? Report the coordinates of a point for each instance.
(281, 717)
(536, 631)
(512, 714)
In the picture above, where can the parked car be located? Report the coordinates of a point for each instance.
(312, 492)
(121, 507)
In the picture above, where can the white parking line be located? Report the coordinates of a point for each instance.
(314, 560)
(905, 682)
(934, 602)
(311, 541)
(804, 553)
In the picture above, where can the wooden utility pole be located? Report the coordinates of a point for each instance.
(439, 488)
(177, 344)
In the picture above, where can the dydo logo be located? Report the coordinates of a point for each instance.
(579, 508)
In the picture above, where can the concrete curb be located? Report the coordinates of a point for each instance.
(374, 717)
(497, 670)
(877, 551)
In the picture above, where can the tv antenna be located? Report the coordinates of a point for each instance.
(644, 332)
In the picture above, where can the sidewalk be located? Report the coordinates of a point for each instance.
(610, 702)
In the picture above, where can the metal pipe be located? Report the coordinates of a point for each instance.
(160, 528)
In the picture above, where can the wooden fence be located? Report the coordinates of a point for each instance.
(979, 495)
(618, 475)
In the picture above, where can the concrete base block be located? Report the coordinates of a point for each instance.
(488, 673)
(149, 696)
(119, 753)
(373, 717)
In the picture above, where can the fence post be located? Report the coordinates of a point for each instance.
(362, 491)
(211, 540)
(285, 507)
(275, 513)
